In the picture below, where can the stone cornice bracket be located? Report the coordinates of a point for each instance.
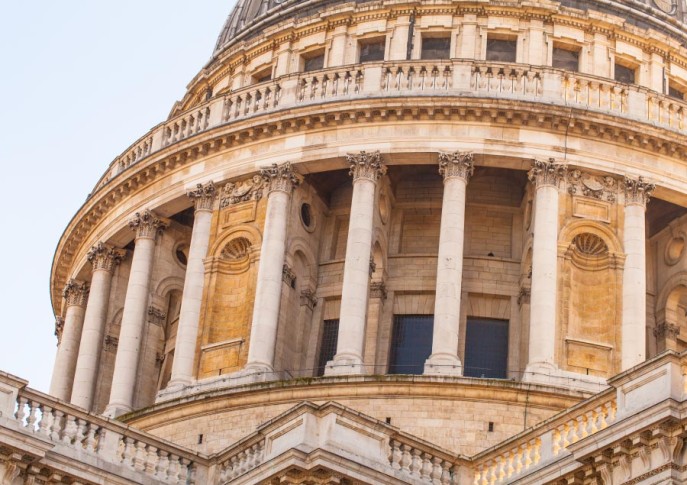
(156, 316)
(147, 225)
(308, 298)
(105, 257)
(59, 327)
(366, 166)
(547, 172)
(288, 276)
(203, 196)
(243, 191)
(456, 164)
(76, 293)
(637, 191)
(282, 178)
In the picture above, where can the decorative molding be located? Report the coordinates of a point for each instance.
(524, 295)
(111, 343)
(547, 173)
(288, 276)
(637, 191)
(203, 196)
(456, 165)
(105, 257)
(308, 298)
(373, 265)
(243, 191)
(367, 166)
(596, 187)
(147, 225)
(378, 290)
(666, 330)
(280, 178)
(156, 316)
(76, 293)
(59, 328)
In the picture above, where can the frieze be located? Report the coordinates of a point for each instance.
(596, 187)
(242, 191)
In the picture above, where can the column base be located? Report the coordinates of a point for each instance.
(443, 365)
(345, 365)
(550, 375)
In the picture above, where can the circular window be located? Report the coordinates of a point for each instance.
(181, 254)
(384, 207)
(674, 250)
(306, 217)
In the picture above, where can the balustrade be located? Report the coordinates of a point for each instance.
(506, 79)
(421, 464)
(328, 84)
(252, 101)
(247, 456)
(186, 125)
(593, 93)
(416, 77)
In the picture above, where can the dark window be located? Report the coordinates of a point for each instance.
(372, 51)
(330, 337)
(262, 77)
(501, 50)
(436, 48)
(624, 74)
(313, 63)
(486, 348)
(565, 59)
(306, 215)
(411, 343)
(674, 92)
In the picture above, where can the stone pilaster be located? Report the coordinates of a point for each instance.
(456, 169)
(366, 169)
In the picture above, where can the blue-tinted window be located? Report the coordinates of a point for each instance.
(330, 337)
(411, 343)
(486, 348)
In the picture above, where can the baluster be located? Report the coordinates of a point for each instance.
(494, 82)
(416, 463)
(314, 84)
(69, 430)
(235, 466)
(174, 468)
(395, 455)
(184, 472)
(81, 425)
(405, 459)
(162, 468)
(268, 98)
(129, 452)
(409, 79)
(535, 445)
(46, 420)
(347, 82)
(151, 460)
(56, 425)
(582, 426)
(243, 462)
(91, 440)
(493, 473)
(520, 462)
(224, 475)
(474, 79)
(445, 473)
(447, 77)
(501, 468)
(325, 86)
(528, 455)
(358, 81)
(33, 417)
(140, 456)
(435, 474)
(423, 76)
(21, 409)
(426, 470)
(510, 468)
(399, 74)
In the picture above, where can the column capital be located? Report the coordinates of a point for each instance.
(666, 330)
(547, 173)
(366, 166)
(76, 293)
(203, 196)
(59, 328)
(147, 225)
(280, 178)
(105, 257)
(378, 290)
(637, 191)
(308, 298)
(456, 165)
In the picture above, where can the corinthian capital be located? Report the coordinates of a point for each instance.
(105, 257)
(366, 166)
(147, 225)
(59, 328)
(282, 178)
(637, 191)
(547, 172)
(203, 196)
(456, 164)
(76, 293)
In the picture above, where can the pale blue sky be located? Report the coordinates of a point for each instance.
(80, 80)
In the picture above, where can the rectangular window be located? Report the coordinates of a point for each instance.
(411, 343)
(568, 59)
(486, 348)
(262, 76)
(436, 48)
(501, 50)
(313, 63)
(372, 50)
(330, 338)
(624, 74)
(675, 92)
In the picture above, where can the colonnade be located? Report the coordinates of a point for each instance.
(77, 364)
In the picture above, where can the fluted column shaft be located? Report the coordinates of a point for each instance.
(189, 316)
(280, 180)
(76, 295)
(104, 260)
(456, 168)
(633, 352)
(366, 169)
(147, 227)
(546, 176)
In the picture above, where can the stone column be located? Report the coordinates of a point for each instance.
(280, 180)
(633, 351)
(546, 177)
(366, 169)
(187, 334)
(375, 306)
(456, 168)
(104, 260)
(68, 338)
(147, 227)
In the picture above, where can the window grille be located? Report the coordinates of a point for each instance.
(436, 48)
(330, 338)
(411, 343)
(486, 348)
(500, 50)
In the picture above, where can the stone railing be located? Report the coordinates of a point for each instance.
(546, 442)
(460, 78)
(422, 463)
(243, 457)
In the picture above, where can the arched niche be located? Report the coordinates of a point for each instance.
(671, 319)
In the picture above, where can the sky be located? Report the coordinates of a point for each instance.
(80, 80)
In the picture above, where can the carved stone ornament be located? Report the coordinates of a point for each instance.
(308, 298)
(600, 188)
(156, 316)
(365, 165)
(203, 196)
(637, 191)
(378, 290)
(288, 276)
(243, 191)
(547, 172)
(282, 178)
(59, 328)
(524, 296)
(147, 225)
(456, 164)
(105, 257)
(111, 343)
(666, 330)
(76, 293)
(373, 265)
